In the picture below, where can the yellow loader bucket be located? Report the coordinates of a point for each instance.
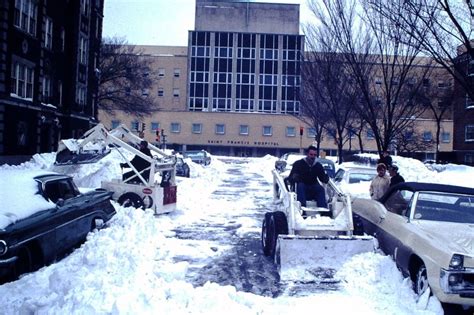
(312, 258)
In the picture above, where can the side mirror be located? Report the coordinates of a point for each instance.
(60, 202)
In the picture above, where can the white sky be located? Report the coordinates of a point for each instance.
(129, 267)
(160, 22)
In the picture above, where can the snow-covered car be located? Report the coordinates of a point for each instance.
(354, 174)
(198, 156)
(285, 163)
(428, 229)
(182, 168)
(47, 217)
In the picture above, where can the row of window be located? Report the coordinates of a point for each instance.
(161, 92)
(442, 84)
(162, 72)
(290, 131)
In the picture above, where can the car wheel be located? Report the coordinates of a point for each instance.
(274, 224)
(421, 284)
(188, 171)
(24, 263)
(130, 199)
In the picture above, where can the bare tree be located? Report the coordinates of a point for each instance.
(381, 63)
(330, 84)
(125, 79)
(442, 28)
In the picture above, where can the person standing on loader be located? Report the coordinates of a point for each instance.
(139, 163)
(305, 174)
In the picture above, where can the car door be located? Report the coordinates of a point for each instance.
(68, 213)
(396, 226)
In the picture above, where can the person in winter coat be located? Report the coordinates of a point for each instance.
(395, 178)
(380, 183)
(386, 159)
(305, 173)
(139, 163)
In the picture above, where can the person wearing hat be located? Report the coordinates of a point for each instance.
(139, 163)
(395, 178)
(380, 183)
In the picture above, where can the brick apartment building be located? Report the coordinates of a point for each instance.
(48, 78)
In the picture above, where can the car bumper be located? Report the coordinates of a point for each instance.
(457, 286)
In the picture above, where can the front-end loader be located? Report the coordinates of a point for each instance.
(310, 243)
(154, 187)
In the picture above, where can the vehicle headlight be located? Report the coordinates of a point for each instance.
(3, 247)
(457, 261)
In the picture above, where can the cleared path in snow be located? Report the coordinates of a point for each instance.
(242, 264)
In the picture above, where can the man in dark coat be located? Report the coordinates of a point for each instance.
(305, 173)
(386, 159)
(139, 163)
(395, 177)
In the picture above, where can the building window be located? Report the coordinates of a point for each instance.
(25, 15)
(63, 39)
(469, 133)
(290, 107)
(244, 130)
(196, 128)
(115, 123)
(48, 33)
(60, 92)
(221, 104)
(85, 7)
(470, 68)
(145, 92)
(290, 131)
(370, 134)
(161, 92)
(426, 83)
(442, 84)
(22, 80)
(155, 126)
(161, 72)
(445, 137)
(81, 95)
(267, 131)
(311, 133)
(46, 89)
(469, 102)
(83, 50)
(175, 92)
(427, 136)
(469, 158)
(220, 129)
(177, 73)
(175, 127)
(243, 105)
(134, 125)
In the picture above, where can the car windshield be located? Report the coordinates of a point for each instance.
(195, 154)
(360, 177)
(445, 207)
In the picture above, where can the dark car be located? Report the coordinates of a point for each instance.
(49, 218)
(182, 168)
(285, 163)
(198, 156)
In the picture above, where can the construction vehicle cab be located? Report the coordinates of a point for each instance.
(307, 242)
(152, 187)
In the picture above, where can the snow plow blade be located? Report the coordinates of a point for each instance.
(316, 259)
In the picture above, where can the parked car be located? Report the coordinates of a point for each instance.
(182, 168)
(285, 163)
(354, 174)
(428, 230)
(45, 218)
(198, 156)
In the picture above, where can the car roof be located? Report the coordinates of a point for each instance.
(51, 176)
(417, 186)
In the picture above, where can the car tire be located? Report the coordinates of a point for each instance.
(274, 224)
(420, 283)
(24, 263)
(188, 173)
(130, 199)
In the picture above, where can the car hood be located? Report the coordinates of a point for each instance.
(457, 237)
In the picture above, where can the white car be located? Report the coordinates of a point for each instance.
(355, 179)
(428, 229)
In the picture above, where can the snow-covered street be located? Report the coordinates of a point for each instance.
(203, 258)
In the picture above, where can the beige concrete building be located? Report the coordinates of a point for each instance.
(233, 90)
